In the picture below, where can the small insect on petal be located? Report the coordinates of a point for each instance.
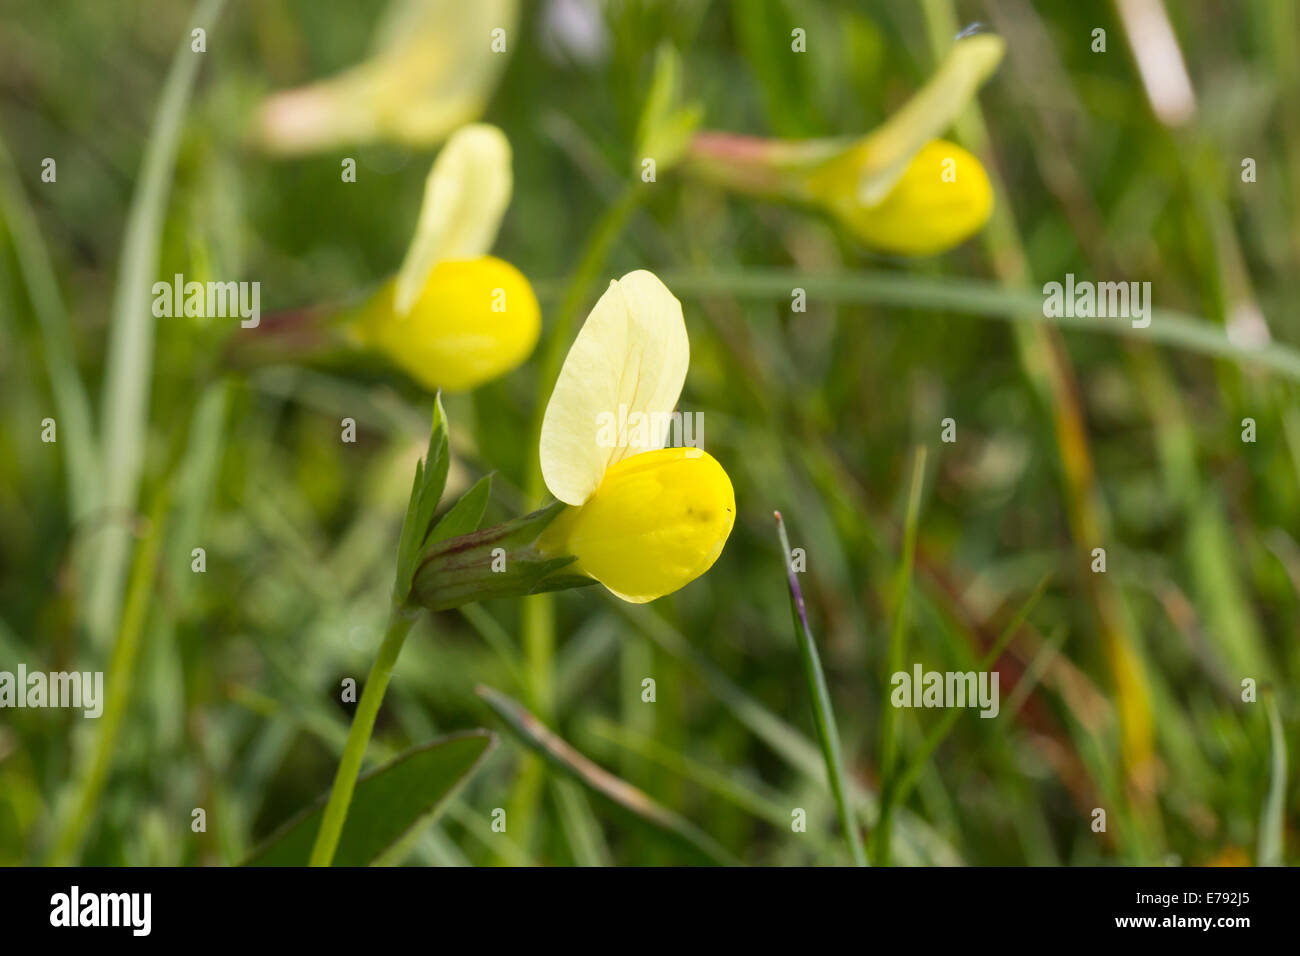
(630, 358)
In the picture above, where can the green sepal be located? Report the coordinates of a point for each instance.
(426, 492)
(465, 515)
(460, 570)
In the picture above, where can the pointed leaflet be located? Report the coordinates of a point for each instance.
(390, 803)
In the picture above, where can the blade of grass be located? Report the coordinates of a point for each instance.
(897, 643)
(823, 713)
(798, 752)
(979, 298)
(907, 779)
(559, 753)
(70, 401)
(129, 363)
(497, 638)
(1271, 838)
(1033, 674)
(79, 812)
(580, 826)
(1048, 368)
(741, 794)
(902, 593)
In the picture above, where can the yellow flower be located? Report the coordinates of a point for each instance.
(942, 198)
(898, 189)
(455, 317)
(434, 65)
(643, 521)
(451, 337)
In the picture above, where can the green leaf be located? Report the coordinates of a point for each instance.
(464, 516)
(391, 802)
(436, 463)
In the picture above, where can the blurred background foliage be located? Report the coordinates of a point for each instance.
(1122, 691)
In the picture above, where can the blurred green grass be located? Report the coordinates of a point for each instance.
(235, 706)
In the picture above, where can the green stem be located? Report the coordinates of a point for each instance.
(538, 611)
(363, 725)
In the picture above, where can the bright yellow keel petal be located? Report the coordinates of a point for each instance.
(657, 522)
(943, 198)
(473, 321)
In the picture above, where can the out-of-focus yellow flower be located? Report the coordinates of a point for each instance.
(942, 198)
(898, 189)
(644, 522)
(455, 317)
(433, 66)
(452, 338)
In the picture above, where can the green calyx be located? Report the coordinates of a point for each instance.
(497, 562)
(448, 563)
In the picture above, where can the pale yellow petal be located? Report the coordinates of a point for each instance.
(433, 66)
(886, 153)
(628, 360)
(464, 199)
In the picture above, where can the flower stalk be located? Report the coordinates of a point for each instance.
(363, 725)
(641, 523)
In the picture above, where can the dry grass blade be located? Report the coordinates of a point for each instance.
(555, 749)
